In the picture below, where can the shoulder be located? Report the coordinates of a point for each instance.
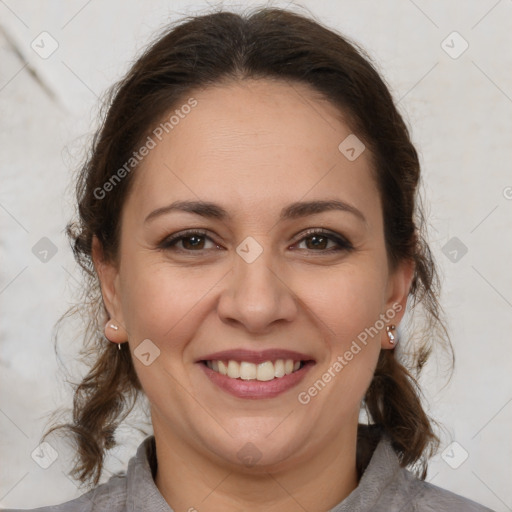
(386, 485)
(423, 496)
(107, 497)
(130, 490)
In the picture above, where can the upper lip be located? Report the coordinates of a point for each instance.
(251, 356)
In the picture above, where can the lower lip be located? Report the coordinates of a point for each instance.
(255, 389)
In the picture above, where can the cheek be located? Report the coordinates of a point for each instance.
(348, 313)
(346, 300)
(159, 300)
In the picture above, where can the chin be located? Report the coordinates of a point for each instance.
(263, 453)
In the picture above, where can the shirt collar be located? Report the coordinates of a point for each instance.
(377, 478)
(143, 494)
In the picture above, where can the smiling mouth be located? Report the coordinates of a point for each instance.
(265, 371)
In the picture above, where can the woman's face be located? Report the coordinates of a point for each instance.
(253, 279)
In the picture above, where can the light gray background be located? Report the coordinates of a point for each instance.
(459, 110)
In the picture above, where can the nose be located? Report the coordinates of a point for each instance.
(256, 295)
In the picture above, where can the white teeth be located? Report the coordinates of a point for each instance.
(265, 371)
(279, 368)
(248, 371)
(223, 369)
(233, 370)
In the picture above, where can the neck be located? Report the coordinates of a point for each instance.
(189, 481)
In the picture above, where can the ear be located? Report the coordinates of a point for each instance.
(399, 284)
(108, 275)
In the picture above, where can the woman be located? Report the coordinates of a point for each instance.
(248, 218)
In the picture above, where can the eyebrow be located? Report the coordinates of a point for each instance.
(292, 211)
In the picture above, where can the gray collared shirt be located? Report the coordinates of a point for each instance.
(383, 487)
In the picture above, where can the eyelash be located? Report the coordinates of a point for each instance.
(343, 243)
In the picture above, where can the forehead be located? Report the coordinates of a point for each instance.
(249, 140)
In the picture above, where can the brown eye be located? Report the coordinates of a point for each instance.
(319, 240)
(193, 242)
(188, 241)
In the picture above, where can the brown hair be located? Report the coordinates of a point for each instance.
(210, 49)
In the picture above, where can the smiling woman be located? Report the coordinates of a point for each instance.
(253, 269)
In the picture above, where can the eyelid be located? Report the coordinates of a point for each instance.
(342, 240)
(171, 240)
(343, 243)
